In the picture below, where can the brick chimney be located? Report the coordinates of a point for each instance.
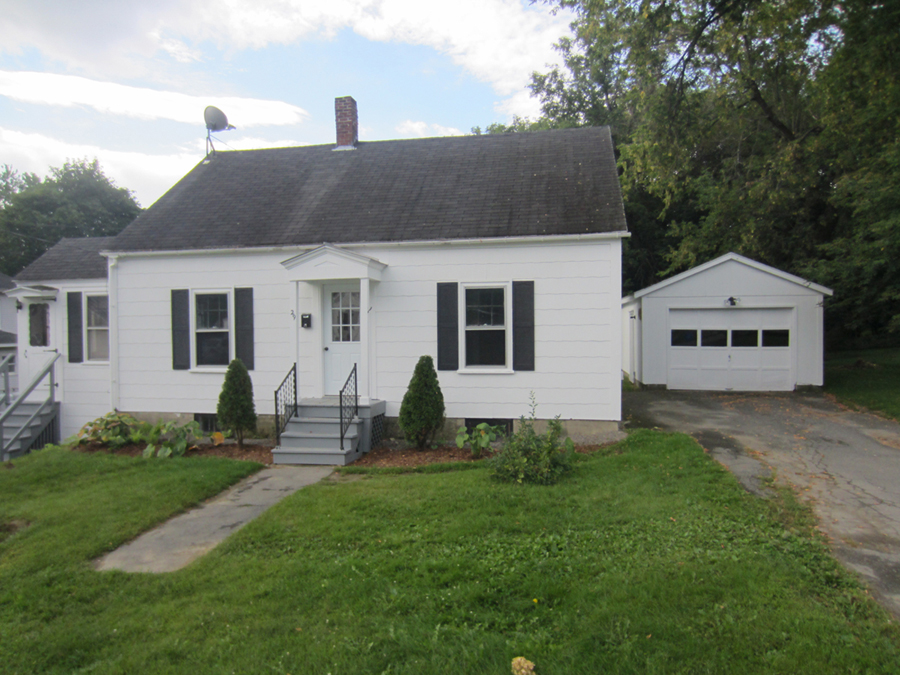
(347, 122)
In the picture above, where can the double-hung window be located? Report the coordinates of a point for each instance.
(485, 327)
(212, 329)
(97, 327)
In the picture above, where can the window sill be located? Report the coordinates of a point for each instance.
(94, 362)
(208, 369)
(485, 370)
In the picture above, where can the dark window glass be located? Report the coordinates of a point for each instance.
(212, 349)
(745, 338)
(776, 338)
(39, 325)
(484, 307)
(684, 338)
(485, 347)
(212, 312)
(714, 338)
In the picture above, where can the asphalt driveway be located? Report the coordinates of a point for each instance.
(846, 463)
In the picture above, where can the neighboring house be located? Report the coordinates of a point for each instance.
(64, 298)
(730, 324)
(8, 330)
(498, 255)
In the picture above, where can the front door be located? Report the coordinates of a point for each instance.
(40, 346)
(342, 334)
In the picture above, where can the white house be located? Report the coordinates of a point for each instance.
(498, 255)
(729, 324)
(7, 335)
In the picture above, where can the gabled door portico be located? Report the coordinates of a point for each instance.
(340, 284)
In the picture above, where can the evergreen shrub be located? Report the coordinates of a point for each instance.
(236, 410)
(422, 409)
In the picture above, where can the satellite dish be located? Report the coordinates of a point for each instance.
(215, 121)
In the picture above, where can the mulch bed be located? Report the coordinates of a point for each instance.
(391, 453)
(251, 453)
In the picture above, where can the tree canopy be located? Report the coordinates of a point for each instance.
(768, 129)
(75, 200)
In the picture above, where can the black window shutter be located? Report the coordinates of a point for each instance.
(523, 325)
(447, 327)
(181, 329)
(76, 323)
(243, 326)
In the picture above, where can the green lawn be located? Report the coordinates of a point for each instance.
(868, 379)
(648, 558)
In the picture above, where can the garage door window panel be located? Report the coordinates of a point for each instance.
(683, 338)
(714, 338)
(776, 338)
(745, 338)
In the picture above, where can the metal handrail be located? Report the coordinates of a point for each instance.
(5, 365)
(285, 402)
(23, 394)
(349, 402)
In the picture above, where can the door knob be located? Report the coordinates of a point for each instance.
(326, 349)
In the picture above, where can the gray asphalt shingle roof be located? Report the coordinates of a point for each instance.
(70, 259)
(6, 282)
(526, 184)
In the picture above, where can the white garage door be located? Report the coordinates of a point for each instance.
(731, 349)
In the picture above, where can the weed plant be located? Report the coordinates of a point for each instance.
(530, 457)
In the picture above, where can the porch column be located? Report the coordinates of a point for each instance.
(363, 370)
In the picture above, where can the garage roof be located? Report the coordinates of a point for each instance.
(719, 261)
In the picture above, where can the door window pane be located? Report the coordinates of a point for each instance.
(684, 338)
(714, 338)
(776, 338)
(745, 338)
(39, 325)
(345, 316)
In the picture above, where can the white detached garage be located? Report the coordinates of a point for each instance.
(732, 324)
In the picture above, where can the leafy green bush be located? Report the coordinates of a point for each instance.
(115, 429)
(167, 439)
(530, 457)
(422, 409)
(236, 410)
(479, 439)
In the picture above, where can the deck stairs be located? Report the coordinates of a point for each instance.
(313, 435)
(38, 432)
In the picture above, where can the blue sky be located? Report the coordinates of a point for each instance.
(127, 82)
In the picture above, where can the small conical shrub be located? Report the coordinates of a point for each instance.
(236, 410)
(422, 409)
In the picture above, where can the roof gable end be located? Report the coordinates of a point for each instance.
(730, 257)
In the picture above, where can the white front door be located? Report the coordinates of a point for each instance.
(40, 345)
(342, 334)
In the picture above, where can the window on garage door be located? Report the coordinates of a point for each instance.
(684, 337)
(776, 338)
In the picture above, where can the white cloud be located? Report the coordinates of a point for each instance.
(411, 129)
(500, 42)
(147, 176)
(142, 103)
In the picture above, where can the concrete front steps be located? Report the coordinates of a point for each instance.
(37, 430)
(313, 436)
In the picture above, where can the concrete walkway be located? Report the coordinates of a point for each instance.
(184, 538)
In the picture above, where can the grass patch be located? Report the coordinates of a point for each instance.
(647, 560)
(866, 379)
